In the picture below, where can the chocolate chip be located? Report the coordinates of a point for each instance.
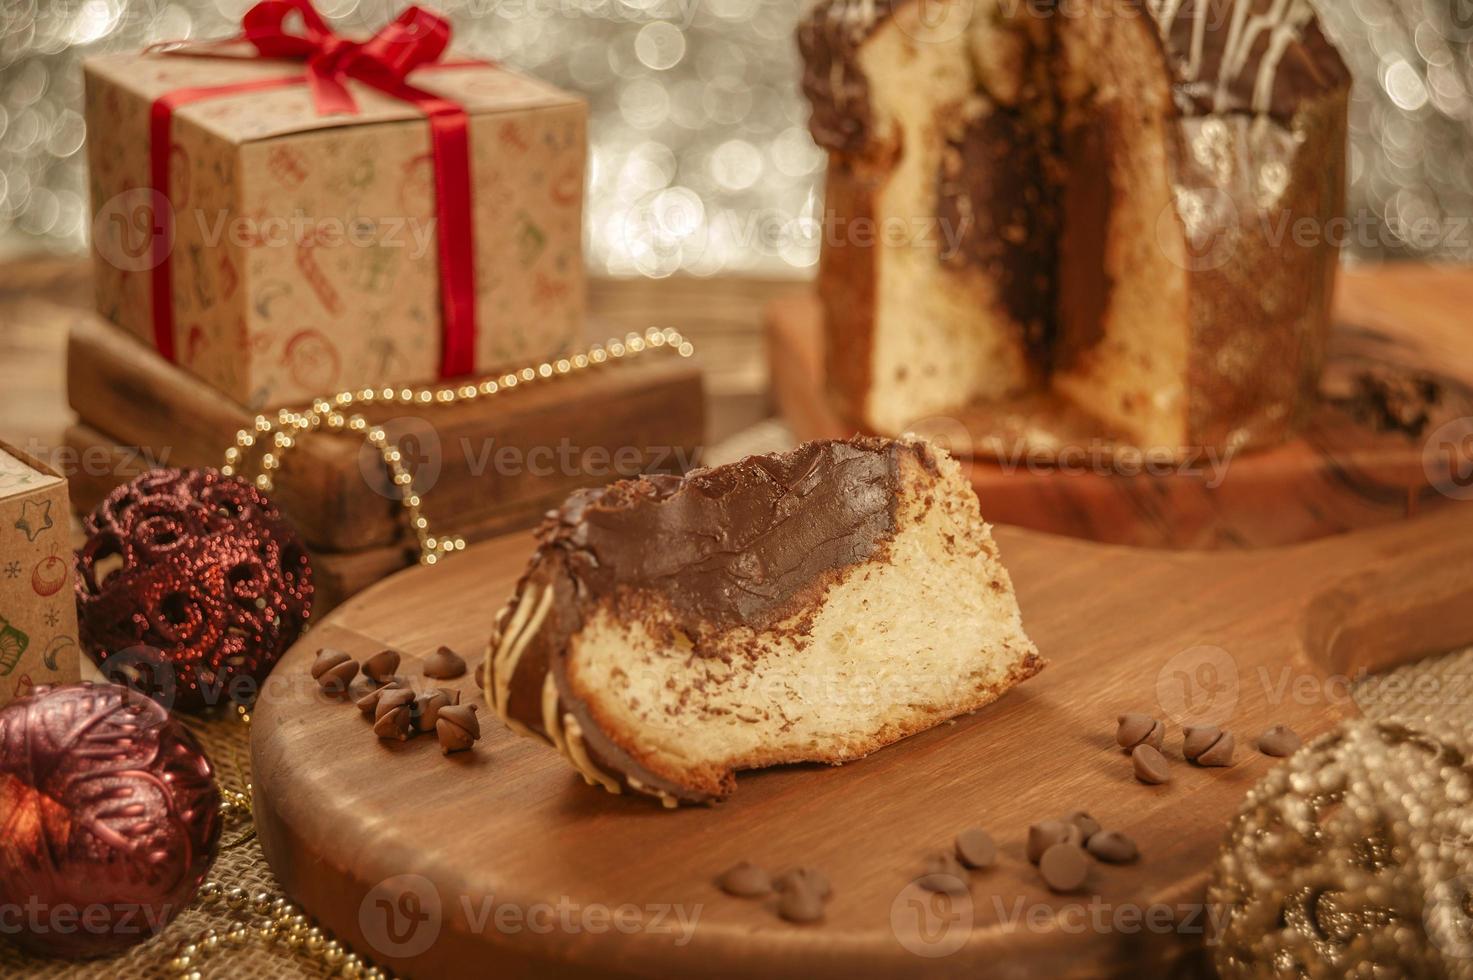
(944, 874)
(444, 665)
(334, 670)
(457, 727)
(1088, 825)
(394, 717)
(368, 703)
(1064, 867)
(1279, 741)
(1208, 745)
(481, 675)
(745, 880)
(381, 665)
(327, 658)
(975, 848)
(1136, 729)
(427, 705)
(811, 878)
(1043, 835)
(1221, 753)
(800, 903)
(1113, 847)
(1150, 765)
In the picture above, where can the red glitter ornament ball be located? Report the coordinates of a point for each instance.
(190, 587)
(109, 819)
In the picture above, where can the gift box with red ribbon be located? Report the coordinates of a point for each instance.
(289, 213)
(38, 613)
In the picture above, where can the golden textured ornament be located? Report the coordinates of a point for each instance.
(1353, 859)
(280, 434)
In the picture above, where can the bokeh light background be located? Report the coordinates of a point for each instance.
(700, 159)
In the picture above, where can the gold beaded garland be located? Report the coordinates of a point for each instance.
(270, 921)
(262, 917)
(331, 413)
(1353, 859)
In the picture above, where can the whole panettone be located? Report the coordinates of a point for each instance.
(1126, 205)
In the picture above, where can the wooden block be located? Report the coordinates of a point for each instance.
(1345, 470)
(473, 461)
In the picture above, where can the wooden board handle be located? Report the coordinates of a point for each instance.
(1383, 597)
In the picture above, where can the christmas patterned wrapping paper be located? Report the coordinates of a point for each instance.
(38, 611)
(304, 255)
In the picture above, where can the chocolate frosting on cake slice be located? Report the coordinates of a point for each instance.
(657, 635)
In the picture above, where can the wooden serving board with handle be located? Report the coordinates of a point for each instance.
(1350, 467)
(502, 862)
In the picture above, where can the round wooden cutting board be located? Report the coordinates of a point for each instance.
(502, 862)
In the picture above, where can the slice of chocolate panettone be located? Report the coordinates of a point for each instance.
(812, 606)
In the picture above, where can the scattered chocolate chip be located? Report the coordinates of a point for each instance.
(1208, 745)
(392, 698)
(334, 670)
(368, 703)
(1150, 765)
(481, 675)
(1136, 729)
(811, 878)
(745, 880)
(1221, 754)
(457, 727)
(394, 716)
(1113, 847)
(1088, 825)
(444, 665)
(944, 874)
(1064, 867)
(800, 903)
(1043, 835)
(381, 665)
(427, 705)
(1279, 741)
(327, 658)
(975, 848)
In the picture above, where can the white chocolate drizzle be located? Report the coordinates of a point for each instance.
(515, 639)
(551, 722)
(577, 754)
(666, 800)
(1283, 22)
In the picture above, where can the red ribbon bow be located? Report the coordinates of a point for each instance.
(416, 39)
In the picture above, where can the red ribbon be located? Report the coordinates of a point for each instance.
(416, 39)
